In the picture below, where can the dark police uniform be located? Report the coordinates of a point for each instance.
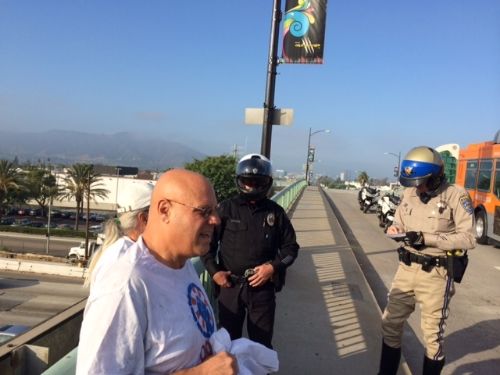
(250, 234)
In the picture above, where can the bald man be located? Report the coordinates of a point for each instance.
(150, 314)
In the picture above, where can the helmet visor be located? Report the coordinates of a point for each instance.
(415, 173)
(253, 183)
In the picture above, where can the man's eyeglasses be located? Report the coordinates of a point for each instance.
(205, 212)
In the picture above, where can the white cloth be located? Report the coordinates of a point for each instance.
(145, 318)
(109, 257)
(253, 358)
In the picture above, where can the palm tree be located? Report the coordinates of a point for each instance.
(363, 177)
(9, 180)
(82, 182)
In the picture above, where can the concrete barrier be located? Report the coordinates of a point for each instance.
(42, 268)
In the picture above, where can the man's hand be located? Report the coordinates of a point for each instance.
(392, 230)
(221, 278)
(262, 274)
(415, 240)
(222, 363)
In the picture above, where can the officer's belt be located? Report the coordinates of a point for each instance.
(427, 261)
(235, 279)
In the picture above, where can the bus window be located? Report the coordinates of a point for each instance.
(497, 180)
(484, 177)
(470, 174)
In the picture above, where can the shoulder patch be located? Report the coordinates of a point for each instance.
(466, 203)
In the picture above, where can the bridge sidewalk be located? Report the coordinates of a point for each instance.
(327, 319)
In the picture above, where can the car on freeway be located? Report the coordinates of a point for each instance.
(35, 212)
(7, 221)
(55, 213)
(9, 331)
(77, 253)
(22, 223)
(96, 228)
(65, 226)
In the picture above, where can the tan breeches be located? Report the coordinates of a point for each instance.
(433, 291)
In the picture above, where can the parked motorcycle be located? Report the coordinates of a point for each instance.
(386, 209)
(368, 198)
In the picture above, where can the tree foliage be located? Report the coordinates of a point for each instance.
(82, 182)
(221, 171)
(363, 177)
(9, 181)
(40, 185)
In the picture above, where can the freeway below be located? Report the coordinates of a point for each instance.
(36, 244)
(29, 299)
(472, 344)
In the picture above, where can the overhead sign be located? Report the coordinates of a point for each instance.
(281, 116)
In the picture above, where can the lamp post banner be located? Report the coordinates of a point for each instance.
(304, 31)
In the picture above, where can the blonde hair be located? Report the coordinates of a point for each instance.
(113, 230)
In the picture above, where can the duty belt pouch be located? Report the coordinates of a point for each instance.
(404, 256)
(427, 264)
(457, 266)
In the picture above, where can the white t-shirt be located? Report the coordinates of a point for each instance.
(109, 257)
(145, 318)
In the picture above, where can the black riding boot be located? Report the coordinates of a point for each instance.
(432, 367)
(389, 360)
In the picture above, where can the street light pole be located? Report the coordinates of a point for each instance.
(311, 133)
(269, 107)
(307, 156)
(117, 179)
(47, 247)
(398, 155)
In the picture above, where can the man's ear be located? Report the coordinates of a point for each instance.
(164, 210)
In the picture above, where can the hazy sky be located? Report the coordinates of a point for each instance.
(397, 74)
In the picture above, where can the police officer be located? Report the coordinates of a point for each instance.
(434, 223)
(255, 243)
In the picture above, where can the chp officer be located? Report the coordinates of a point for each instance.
(434, 221)
(250, 251)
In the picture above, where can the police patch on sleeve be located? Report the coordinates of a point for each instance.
(466, 203)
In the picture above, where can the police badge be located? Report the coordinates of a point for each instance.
(270, 219)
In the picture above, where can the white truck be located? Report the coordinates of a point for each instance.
(77, 253)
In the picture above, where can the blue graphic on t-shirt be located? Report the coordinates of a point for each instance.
(200, 308)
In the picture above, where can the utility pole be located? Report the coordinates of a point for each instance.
(269, 106)
(87, 250)
(50, 211)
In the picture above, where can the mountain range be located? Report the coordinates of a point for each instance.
(69, 147)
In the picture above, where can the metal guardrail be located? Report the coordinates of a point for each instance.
(287, 197)
(65, 364)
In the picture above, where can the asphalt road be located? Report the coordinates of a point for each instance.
(472, 342)
(29, 299)
(21, 243)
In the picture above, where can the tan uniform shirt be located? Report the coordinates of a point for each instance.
(447, 220)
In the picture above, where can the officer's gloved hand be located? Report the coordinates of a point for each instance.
(414, 239)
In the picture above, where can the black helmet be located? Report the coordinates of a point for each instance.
(422, 165)
(254, 176)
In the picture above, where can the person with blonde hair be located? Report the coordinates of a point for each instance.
(120, 233)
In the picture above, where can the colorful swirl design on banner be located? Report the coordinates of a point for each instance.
(298, 19)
